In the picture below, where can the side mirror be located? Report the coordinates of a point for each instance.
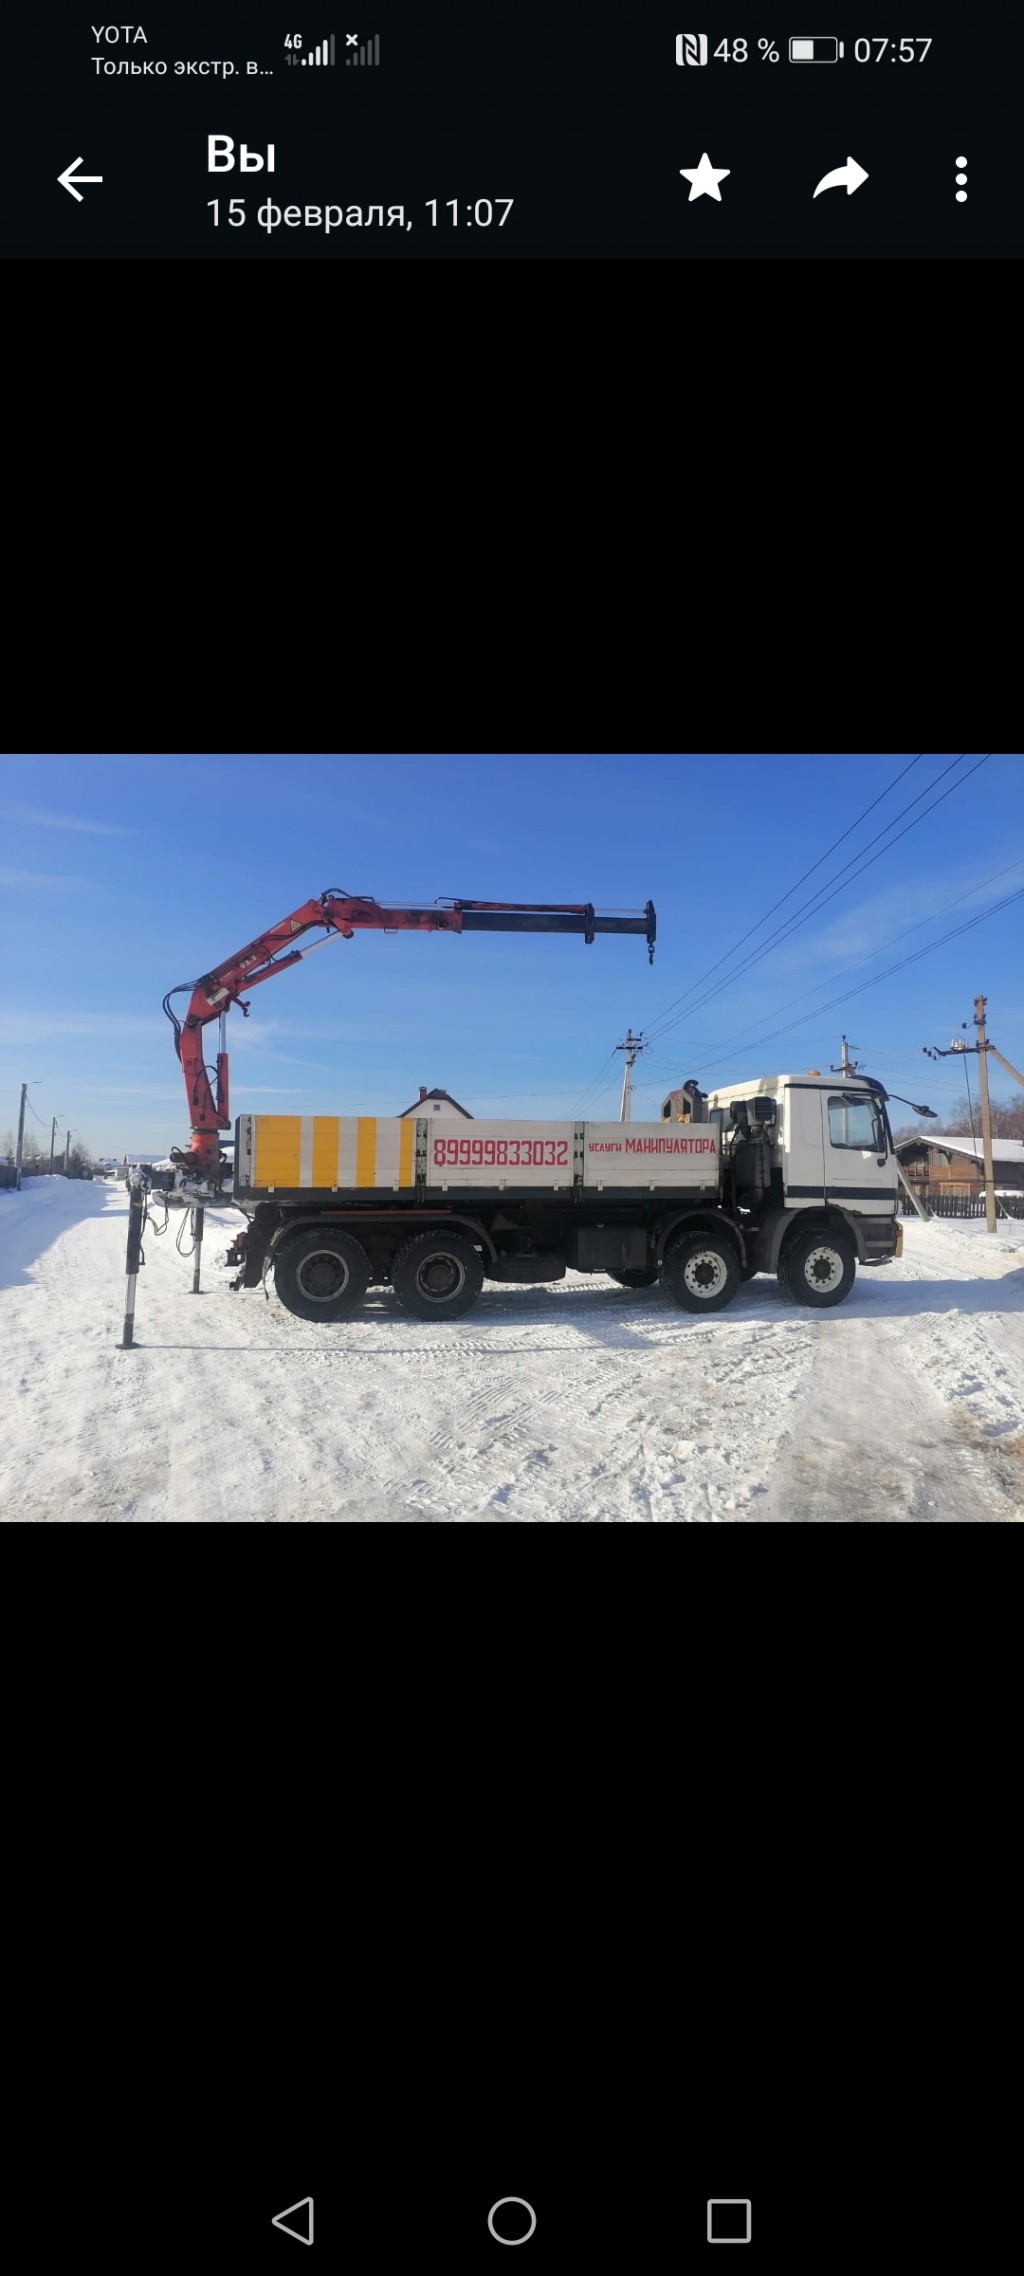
(738, 1113)
(766, 1112)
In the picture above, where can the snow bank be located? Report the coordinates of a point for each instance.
(573, 1403)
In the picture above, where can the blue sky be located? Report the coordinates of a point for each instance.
(120, 877)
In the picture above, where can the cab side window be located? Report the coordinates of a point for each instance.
(856, 1122)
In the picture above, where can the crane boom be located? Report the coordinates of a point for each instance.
(335, 911)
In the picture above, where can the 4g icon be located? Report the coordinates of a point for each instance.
(691, 47)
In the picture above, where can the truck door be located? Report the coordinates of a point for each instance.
(803, 1146)
(858, 1171)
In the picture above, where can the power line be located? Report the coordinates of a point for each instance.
(997, 906)
(785, 932)
(970, 1109)
(903, 934)
(788, 896)
(592, 1087)
(822, 900)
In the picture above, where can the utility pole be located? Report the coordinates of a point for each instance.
(982, 1049)
(53, 1141)
(67, 1154)
(632, 1045)
(21, 1138)
(986, 1118)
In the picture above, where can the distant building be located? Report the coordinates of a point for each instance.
(956, 1165)
(435, 1102)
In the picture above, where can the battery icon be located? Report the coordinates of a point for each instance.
(815, 51)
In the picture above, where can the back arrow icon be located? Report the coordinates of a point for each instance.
(280, 2220)
(70, 185)
(852, 174)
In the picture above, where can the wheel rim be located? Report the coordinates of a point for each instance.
(704, 1273)
(823, 1269)
(440, 1277)
(322, 1276)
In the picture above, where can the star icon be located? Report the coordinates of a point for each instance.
(704, 179)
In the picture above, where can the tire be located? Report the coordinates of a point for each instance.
(818, 1267)
(438, 1276)
(701, 1271)
(637, 1277)
(321, 1275)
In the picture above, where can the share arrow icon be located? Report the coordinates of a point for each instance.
(70, 185)
(851, 175)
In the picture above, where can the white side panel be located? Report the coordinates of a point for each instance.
(803, 1155)
(650, 1153)
(387, 1151)
(347, 1128)
(495, 1153)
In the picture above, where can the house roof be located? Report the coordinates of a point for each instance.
(1003, 1149)
(429, 1101)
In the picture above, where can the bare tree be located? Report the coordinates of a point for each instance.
(1007, 1120)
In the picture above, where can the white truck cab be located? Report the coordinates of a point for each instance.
(807, 1151)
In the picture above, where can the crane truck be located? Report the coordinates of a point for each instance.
(790, 1174)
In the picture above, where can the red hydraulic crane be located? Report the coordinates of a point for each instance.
(338, 912)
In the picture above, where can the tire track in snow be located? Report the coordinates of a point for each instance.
(634, 1446)
(916, 1414)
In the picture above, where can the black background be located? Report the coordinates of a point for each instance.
(579, 114)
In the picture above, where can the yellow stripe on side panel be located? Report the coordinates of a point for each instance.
(325, 1149)
(405, 1136)
(276, 1149)
(366, 1149)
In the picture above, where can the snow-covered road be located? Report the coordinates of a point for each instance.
(578, 1402)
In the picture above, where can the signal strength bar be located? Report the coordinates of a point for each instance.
(368, 54)
(320, 54)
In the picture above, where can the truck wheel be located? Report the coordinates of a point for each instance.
(437, 1275)
(321, 1275)
(637, 1277)
(701, 1271)
(817, 1267)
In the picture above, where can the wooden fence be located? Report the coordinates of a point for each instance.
(945, 1204)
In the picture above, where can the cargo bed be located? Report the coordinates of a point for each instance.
(291, 1157)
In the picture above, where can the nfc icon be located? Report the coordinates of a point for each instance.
(691, 47)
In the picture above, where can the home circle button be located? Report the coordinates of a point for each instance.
(511, 2228)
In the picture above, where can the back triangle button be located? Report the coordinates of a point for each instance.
(296, 2220)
